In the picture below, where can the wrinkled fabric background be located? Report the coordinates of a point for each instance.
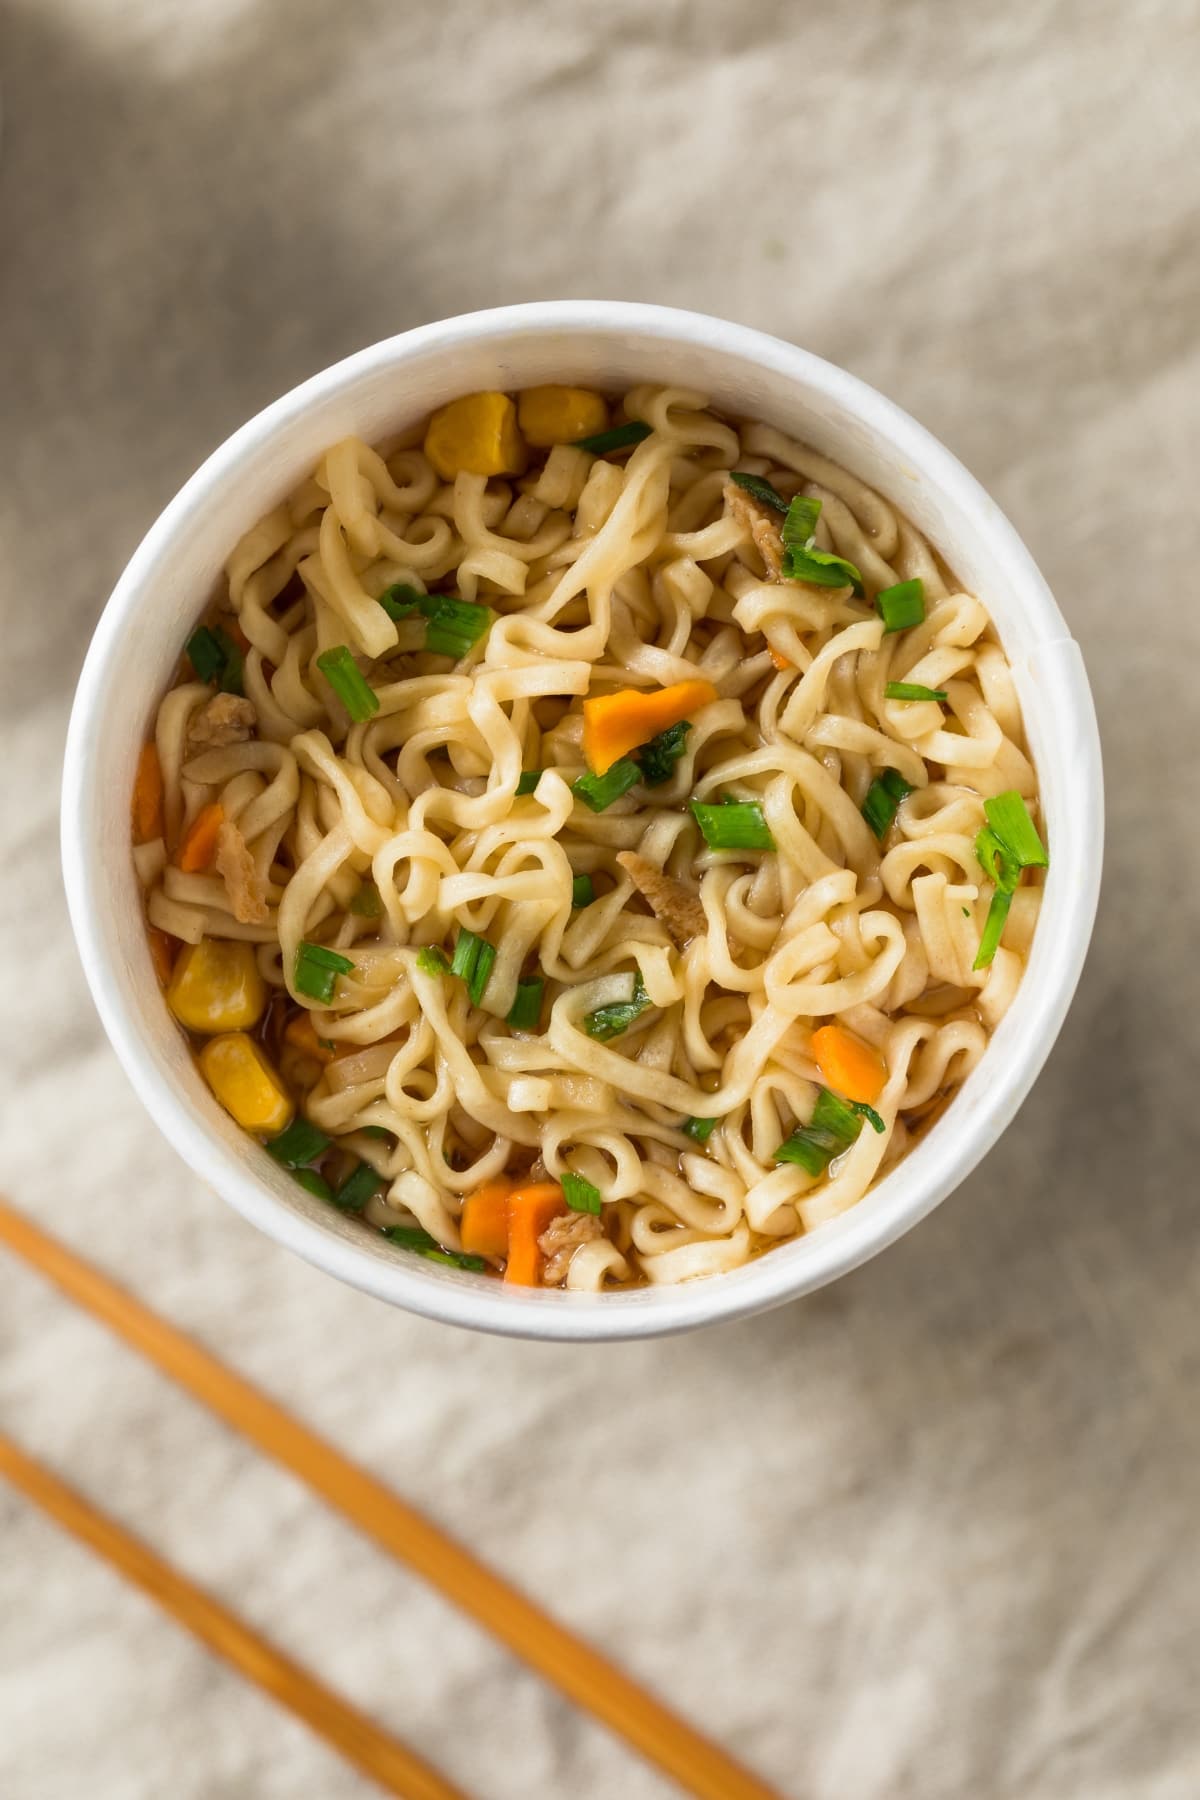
(931, 1533)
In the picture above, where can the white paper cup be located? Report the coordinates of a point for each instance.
(172, 576)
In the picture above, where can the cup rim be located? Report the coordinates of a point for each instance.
(938, 1164)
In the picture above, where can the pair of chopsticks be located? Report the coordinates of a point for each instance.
(570, 1664)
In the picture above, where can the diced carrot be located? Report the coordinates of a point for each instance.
(779, 659)
(163, 951)
(484, 1221)
(200, 842)
(530, 1210)
(301, 1034)
(615, 724)
(148, 796)
(850, 1067)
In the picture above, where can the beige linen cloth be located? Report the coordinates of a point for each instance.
(932, 1533)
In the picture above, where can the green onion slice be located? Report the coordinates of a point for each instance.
(610, 1021)
(998, 864)
(902, 605)
(883, 797)
(699, 1130)
(733, 825)
(583, 892)
(473, 960)
(618, 438)
(759, 488)
(456, 626)
(366, 903)
(802, 561)
(834, 1126)
(993, 929)
(1008, 816)
(348, 682)
(317, 970)
(580, 1195)
(400, 601)
(912, 690)
(657, 759)
(527, 781)
(215, 657)
(299, 1145)
(599, 791)
(419, 1243)
(359, 1186)
(432, 961)
(313, 1183)
(526, 1009)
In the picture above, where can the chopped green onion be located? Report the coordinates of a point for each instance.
(699, 1130)
(358, 1188)
(317, 970)
(657, 759)
(883, 797)
(911, 690)
(902, 605)
(526, 1009)
(400, 601)
(800, 526)
(472, 961)
(759, 488)
(834, 1126)
(419, 1243)
(215, 657)
(610, 1021)
(299, 1145)
(869, 1114)
(583, 892)
(366, 903)
(527, 781)
(580, 1195)
(802, 561)
(456, 627)
(432, 961)
(313, 1183)
(619, 438)
(348, 682)
(599, 791)
(993, 929)
(996, 861)
(733, 825)
(1008, 816)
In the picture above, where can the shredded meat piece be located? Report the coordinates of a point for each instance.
(561, 1239)
(761, 523)
(677, 907)
(225, 719)
(235, 865)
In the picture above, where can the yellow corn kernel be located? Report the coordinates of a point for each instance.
(477, 433)
(245, 1083)
(559, 415)
(216, 986)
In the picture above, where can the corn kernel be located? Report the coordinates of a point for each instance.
(216, 986)
(477, 433)
(560, 415)
(245, 1083)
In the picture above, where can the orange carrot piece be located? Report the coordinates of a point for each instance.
(148, 796)
(163, 951)
(778, 658)
(200, 842)
(530, 1210)
(484, 1221)
(850, 1067)
(615, 724)
(301, 1034)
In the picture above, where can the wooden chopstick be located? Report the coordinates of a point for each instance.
(570, 1664)
(397, 1769)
